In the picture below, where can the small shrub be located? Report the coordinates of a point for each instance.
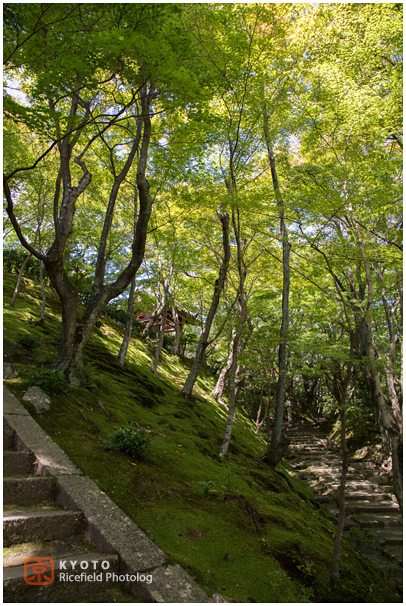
(48, 380)
(168, 342)
(207, 486)
(13, 258)
(229, 473)
(27, 342)
(115, 313)
(131, 439)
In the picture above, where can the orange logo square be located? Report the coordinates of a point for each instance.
(39, 571)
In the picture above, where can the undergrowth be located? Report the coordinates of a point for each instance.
(241, 529)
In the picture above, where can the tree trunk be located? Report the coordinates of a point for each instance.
(130, 303)
(43, 303)
(273, 457)
(242, 297)
(165, 294)
(203, 340)
(391, 359)
(268, 425)
(128, 325)
(232, 381)
(340, 387)
(161, 340)
(159, 305)
(19, 278)
(221, 381)
(175, 348)
(259, 423)
(74, 336)
(335, 571)
(231, 406)
(393, 424)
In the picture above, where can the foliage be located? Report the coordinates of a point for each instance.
(48, 380)
(215, 539)
(131, 439)
(13, 258)
(27, 342)
(206, 486)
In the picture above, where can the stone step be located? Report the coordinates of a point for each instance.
(334, 477)
(18, 463)
(297, 438)
(333, 469)
(310, 463)
(395, 552)
(332, 493)
(107, 596)
(20, 491)
(8, 439)
(63, 588)
(58, 549)
(322, 498)
(377, 520)
(392, 536)
(387, 507)
(300, 438)
(372, 496)
(39, 523)
(357, 464)
(309, 475)
(312, 459)
(315, 449)
(363, 486)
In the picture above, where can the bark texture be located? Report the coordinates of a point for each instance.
(128, 325)
(341, 395)
(220, 282)
(74, 334)
(165, 295)
(232, 379)
(335, 571)
(176, 343)
(274, 454)
(391, 416)
(221, 381)
(19, 278)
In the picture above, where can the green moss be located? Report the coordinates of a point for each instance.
(258, 536)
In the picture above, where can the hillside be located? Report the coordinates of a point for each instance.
(242, 530)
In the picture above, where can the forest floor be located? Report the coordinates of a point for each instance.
(258, 535)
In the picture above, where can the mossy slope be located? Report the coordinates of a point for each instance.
(259, 536)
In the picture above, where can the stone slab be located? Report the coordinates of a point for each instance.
(8, 439)
(41, 525)
(108, 527)
(390, 536)
(51, 460)
(18, 463)
(19, 491)
(173, 584)
(377, 520)
(57, 550)
(60, 591)
(38, 398)
(376, 507)
(11, 405)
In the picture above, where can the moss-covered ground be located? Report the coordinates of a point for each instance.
(257, 537)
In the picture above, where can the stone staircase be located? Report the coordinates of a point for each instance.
(55, 514)
(34, 526)
(370, 503)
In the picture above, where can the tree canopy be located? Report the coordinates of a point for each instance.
(202, 151)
